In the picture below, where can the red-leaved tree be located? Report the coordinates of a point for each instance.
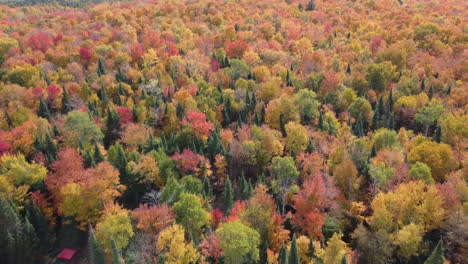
(197, 121)
(40, 41)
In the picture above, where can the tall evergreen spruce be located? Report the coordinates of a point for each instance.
(294, 252)
(431, 92)
(228, 197)
(320, 121)
(437, 255)
(101, 70)
(310, 6)
(283, 255)
(390, 102)
(311, 248)
(95, 252)
(207, 189)
(88, 160)
(263, 251)
(112, 128)
(375, 120)
(45, 233)
(66, 105)
(380, 107)
(50, 148)
(43, 110)
(282, 125)
(437, 134)
(262, 115)
(390, 122)
(373, 152)
(97, 154)
(18, 239)
(102, 94)
(116, 256)
(343, 260)
(449, 90)
(121, 161)
(7, 118)
(310, 147)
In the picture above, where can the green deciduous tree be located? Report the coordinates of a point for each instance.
(374, 247)
(408, 241)
(190, 214)
(296, 138)
(380, 74)
(286, 173)
(79, 127)
(239, 243)
(428, 115)
(420, 171)
(115, 225)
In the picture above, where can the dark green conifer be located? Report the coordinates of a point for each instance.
(101, 70)
(373, 151)
(437, 134)
(390, 122)
(43, 110)
(180, 110)
(228, 197)
(449, 90)
(431, 92)
(310, 7)
(88, 160)
(294, 252)
(7, 118)
(311, 248)
(257, 119)
(310, 147)
(97, 155)
(343, 260)
(95, 252)
(320, 121)
(390, 102)
(207, 189)
(50, 148)
(380, 107)
(283, 255)
(116, 256)
(102, 94)
(437, 255)
(66, 107)
(262, 114)
(282, 125)
(121, 160)
(55, 131)
(375, 120)
(45, 233)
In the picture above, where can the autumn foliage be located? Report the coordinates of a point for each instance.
(267, 131)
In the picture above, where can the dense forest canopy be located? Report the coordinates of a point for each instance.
(236, 131)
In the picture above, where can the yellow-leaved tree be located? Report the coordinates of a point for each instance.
(116, 225)
(171, 243)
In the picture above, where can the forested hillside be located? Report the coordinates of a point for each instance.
(235, 131)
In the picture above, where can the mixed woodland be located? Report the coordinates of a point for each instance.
(234, 131)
